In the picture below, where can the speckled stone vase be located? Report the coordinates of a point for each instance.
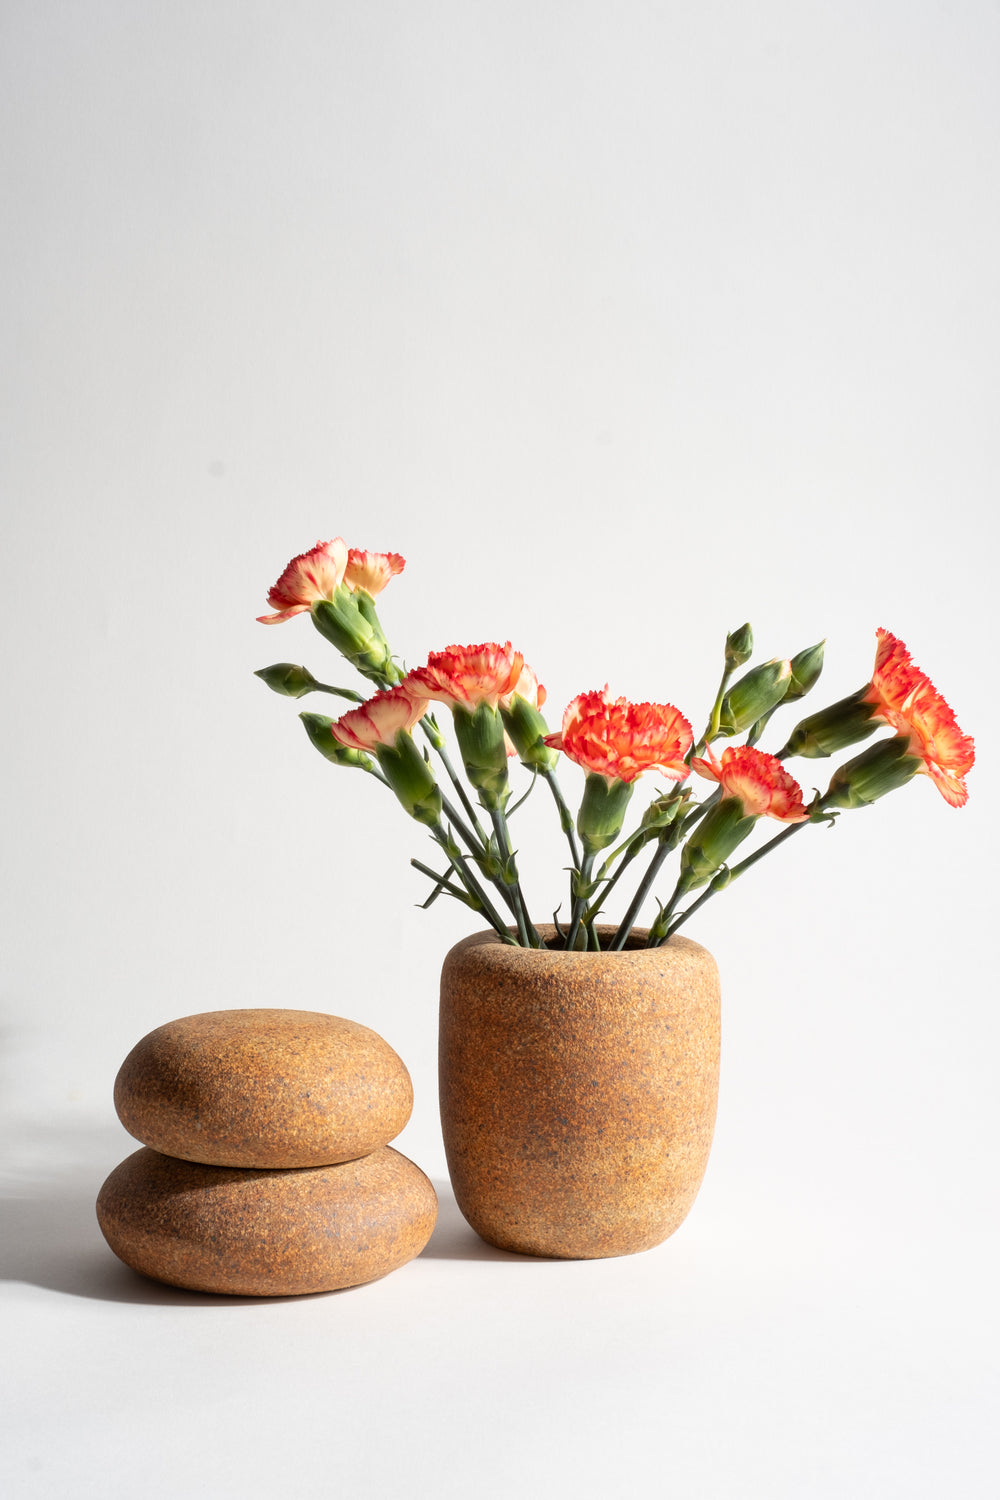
(578, 1091)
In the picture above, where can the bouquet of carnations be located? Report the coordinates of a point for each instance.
(495, 701)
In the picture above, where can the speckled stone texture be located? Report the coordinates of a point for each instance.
(578, 1092)
(263, 1088)
(266, 1233)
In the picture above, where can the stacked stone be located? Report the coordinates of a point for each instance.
(265, 1169)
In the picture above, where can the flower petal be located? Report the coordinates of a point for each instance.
(371, 571)
(620, 740)
(905, 698)
(465, 676)
(311, 576)
(759, 780)
(379, 720)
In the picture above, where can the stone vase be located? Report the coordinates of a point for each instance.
(578, 1091)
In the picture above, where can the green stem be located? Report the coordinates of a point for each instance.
(579, 902)
(474, 846)
(659, 928)
(632, 847)
(323, 687)
(664, 846)
(433, 733)
(525, 929)
(712, 727)
(733, 874)
(566, 821)
(475, 849)
(441, 883)
(469, 880)
(565, 816)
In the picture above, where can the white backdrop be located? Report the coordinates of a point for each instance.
(623, 324)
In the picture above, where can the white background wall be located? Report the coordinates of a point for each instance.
(623, 324)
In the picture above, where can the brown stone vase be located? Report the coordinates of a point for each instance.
(578, 1091)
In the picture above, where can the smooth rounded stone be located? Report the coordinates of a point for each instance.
(266, 1234)
(263, 1088)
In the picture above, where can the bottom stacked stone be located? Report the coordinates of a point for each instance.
(266, 1232)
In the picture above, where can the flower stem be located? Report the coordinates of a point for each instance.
(525, 928)
(664, 847)
(433, 733)
(584, 877)
(565, 816)
(732, 875)
(324, 687)
(712, 727)
(566, 821)
(475, 849)
(441, 883)
(629, 850)
(469, 880)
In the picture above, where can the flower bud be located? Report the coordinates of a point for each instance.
(411, 778)
(602, 810)
(880, 769)
(484, 752)
(664, 810)
(288, 680)
(722, 828)
(806, 668)
(317, 727)
(755, 695)
(833, 728)
(349, 622)
(739, 647)
(527, 730)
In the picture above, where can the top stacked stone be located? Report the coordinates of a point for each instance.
(263, 1088)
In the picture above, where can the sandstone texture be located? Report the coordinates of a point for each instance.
(263, 1088)
(266, 1233)
(578, 1091)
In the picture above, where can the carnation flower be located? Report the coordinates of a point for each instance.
(371, 571)
(313, 575)
(527, 687)
(379, 721)
(759, 780)
(619, 740)
(465, 676)
(905, 698)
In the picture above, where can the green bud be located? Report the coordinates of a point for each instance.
(881, 768)
(722, 828)
(527, 730)
(484, 753)
(806, 668)
(664, 810)
(739, 647)
(755, 695)
(602, 810)
(317, 727)
(411, 778)
(833, 728)
(349, 622)
(288, 680)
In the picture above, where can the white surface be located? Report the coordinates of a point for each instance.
(623, 324)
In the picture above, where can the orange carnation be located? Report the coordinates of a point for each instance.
(313, 575)
(759, 780)
(619, 740)
(527, 687)
(905, 698)
(378, 721)
(465, 676)
(371, 571)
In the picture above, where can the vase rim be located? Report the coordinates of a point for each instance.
(634, 952)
